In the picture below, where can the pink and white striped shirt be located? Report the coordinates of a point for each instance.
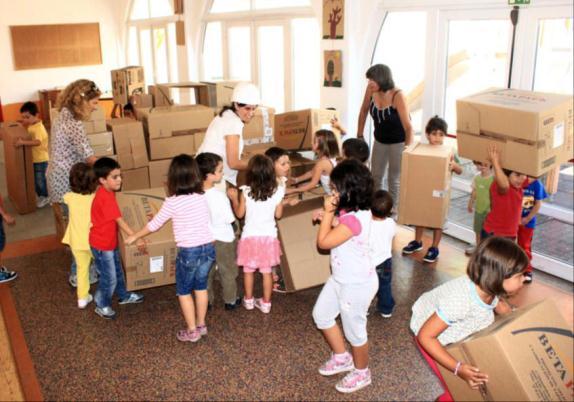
(190, 219)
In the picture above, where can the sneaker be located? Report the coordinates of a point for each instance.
(249, 304)
(469, 250)
(431, 255)
(354, 381)
(527, 278)
(333, 366)
(82, 303)
(73, 281)
(413, 247)
(7, 276)
(385, 315)
(41, 202)
(105, 312)
(132, 299)
(231, 306)
(262, 306)
(202, 329)
(186, 335)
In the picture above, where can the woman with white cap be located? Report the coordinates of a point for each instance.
(224, 135)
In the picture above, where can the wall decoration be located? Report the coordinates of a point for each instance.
(333, 76)
(333, 19)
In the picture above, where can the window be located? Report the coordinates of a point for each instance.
(239, 39)
(306, 76)
(271, 66)
(213, 54)
(229, 6)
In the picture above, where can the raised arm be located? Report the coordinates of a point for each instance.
(501, 179)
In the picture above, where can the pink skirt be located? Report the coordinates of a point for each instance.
(258, 252)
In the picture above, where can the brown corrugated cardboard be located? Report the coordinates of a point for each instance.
(296, 130)
(135, 179)
(163, 122)
(95, 124)
(528, 356)
(158, 173)
(156, 267)
(129, 143)
(260, 128)
(163, 148)
(163, 95)
(19, 168)
(220, 93)
(142, 100)
(126, 82)
(102, 143)
(533, 130)
(425, 185)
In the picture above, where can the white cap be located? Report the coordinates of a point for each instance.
(246, 93)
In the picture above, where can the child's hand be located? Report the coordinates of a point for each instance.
(232, 193)
(318, 215)
(524, 221)
(130, 240)
(493, 154)
(142, 246)
(472, 375)
(18, 143)
(330, 203)
(469, 207)
(335, 124)
(292, 201)
(9, 219)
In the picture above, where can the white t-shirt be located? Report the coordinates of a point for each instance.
(221, 215)
(260, 215)
(214, 142)
(458, 304)
(382, 233)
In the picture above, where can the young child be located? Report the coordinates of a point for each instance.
(353, 283)
(383, 230)
(106, 218)
(79, 202)
(39, 144)
(187, 207)
(221, 224)
(435, 130)
(506, 193)
(465, 305)
(532, 198)
(480, 199)
(326, 148)
(5, 274)
(259, 249)
(356, 148)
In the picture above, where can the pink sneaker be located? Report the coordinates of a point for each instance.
(354, 381)
(249, 304)
(202, 329)
(185, 335)
(261, 305)
(334, 366)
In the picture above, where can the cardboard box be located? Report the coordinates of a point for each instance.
(163, 148)
(302, 264)
(163, 93)
(425, 185)
(219, 93)
(19, 168)
(142, 101)
(163, 122)
(129, 143)
(158, 173)
(126, 82)
(260, 128)
(95, 124)
(527, 356)
(157, 266)
(296, 130)
(135, 179)
(533, 130)
(102, 143)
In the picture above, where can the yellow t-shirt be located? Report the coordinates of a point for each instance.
(40, 152)
(78, 229)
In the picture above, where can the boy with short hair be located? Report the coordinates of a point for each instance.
(435, 130)
(106, 218)
(39, 144)
(5, 274)
(356, 148)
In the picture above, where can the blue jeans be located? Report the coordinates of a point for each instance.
(111, 277)
(192, 267)
(385, 301)
(40, 179)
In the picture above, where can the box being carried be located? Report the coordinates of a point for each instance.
(126, 82)
(533, 130)
(296, 130)
(527, 356)
(425, 185)
(130, 142)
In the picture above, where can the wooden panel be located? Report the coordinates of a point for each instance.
(45, 46)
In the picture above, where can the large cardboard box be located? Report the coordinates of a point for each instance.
(260, 128)
(163, 148)
(425, 185)
(533, 130)
(219, 93)
(163, 122)
(163, 93)
(129, 143)
(135, 179)
(296, 130)
(95, 124)
(19, 168)
(158, 173)
(142, 100)
(528, 356)
(302, 264)
(126, 82)
(102, 143)
(156, 267)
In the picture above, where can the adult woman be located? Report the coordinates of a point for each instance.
(393, 130)
(224, 135)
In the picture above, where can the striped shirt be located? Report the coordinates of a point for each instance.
(190, 219)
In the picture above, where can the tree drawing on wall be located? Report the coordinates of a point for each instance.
(333, 69)
(333, 19)
(330, 71)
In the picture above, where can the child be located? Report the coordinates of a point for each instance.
(5, 274)
(480, 199)
(221, 224)
(356, 148)
(532, 198)
(39, 144)
(465, 305)
(326, 148)
(505, 200)
(435, 130)
(353, 284)
(261, 203)
(79, 202)
(106, 218)
(186, 205)
(383, 230)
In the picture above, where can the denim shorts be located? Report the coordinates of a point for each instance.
(192, 267)
(2, 235)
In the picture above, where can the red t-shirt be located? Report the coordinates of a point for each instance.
(105, 211)
(505, 211)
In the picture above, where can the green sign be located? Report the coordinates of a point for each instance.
(518, 2)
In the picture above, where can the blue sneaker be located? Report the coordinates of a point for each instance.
(7, 276)
(413, 247)
(132, 299)
(431, 255)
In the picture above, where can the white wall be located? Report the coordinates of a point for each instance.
(20, 86)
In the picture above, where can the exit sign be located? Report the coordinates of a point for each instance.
(518, 2)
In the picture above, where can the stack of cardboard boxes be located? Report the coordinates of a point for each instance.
(126, 82)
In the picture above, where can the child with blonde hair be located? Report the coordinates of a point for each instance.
(479, 200)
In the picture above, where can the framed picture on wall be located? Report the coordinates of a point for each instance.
(333, 19)
(333, 75)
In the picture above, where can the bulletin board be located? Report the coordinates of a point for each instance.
(45, 46)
